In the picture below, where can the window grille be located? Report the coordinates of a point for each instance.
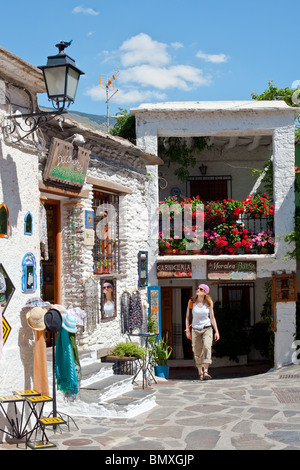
(106, 246)
(239, 298)
(210, 188)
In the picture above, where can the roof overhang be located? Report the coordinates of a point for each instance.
(17, 71)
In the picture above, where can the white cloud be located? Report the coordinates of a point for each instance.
(148, 72)
(213, 58)
(142, 49)
(183, 77)
(85, 11)
(176, 45)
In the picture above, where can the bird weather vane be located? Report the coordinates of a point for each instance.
(110, 83)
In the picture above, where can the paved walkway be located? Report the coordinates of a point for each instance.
(260, 412)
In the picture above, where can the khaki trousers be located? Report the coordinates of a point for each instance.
(201, 344)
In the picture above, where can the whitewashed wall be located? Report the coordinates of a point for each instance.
(237, 119)
(19, 191)
(134, 214)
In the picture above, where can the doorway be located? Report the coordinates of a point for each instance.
(51, 264)
(174, 301)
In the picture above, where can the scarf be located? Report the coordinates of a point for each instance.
(40, 373)
(65, 370)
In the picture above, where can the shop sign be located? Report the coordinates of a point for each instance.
(284, 288)
(66, 164)
(154, 301)
(174, 270)
(231, 270)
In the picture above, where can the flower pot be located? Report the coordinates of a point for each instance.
(168, 251)
(248, 251)
(161, 371)
(181, 252)
(264, 251)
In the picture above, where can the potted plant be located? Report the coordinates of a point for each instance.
(161, 353)
(263, 241)
(258, 206)
(128, 350)
(233, 208)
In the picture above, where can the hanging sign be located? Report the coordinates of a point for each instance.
(284, 288)
(174, 270)
(66, 164)
(231, 270)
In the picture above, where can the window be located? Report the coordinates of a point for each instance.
(28, 224)
(29, 280)
(239, 298)
(4, 225)
(106, 247)
(209, 188)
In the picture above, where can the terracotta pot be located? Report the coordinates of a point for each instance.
(264, 251)
(181, 252)
(168, 251)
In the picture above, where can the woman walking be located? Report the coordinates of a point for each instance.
(203, 324)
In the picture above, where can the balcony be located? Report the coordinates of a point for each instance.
(228, 227)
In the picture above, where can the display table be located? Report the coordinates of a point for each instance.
(21, 428)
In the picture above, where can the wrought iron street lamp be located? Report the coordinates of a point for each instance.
(61, 78)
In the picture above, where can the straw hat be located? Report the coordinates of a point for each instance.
(35, 318)
(69, 323)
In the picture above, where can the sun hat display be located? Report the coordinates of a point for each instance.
(204, 287)
(37, 302)
(53, 320)
(35, 318)
(78, 314)
(69, 323)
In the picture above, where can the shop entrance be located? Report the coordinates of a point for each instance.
(174, 301)
(51, 264)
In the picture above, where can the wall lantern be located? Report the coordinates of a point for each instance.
(203, 169)
(61, 78)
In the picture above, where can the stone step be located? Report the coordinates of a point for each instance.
(129, 404)
(95, 371)
(102, 393)
(107, 388)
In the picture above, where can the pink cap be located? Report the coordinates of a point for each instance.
(204, 287)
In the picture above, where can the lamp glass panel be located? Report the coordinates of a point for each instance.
(72, 82)
(55, 79)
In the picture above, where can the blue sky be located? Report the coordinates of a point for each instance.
(163, 50)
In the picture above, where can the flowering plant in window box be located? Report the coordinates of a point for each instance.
(233, 208)
(231, 238)
(214, 214)
(259, 206)
(263, 241)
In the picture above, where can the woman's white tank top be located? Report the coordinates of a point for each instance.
(200, 317)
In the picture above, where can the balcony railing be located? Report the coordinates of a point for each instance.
(247, 235)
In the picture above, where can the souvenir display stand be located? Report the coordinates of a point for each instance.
(145, 363)
(53, 322)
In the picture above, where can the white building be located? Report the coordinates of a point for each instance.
(243, 136)
(88, 191)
